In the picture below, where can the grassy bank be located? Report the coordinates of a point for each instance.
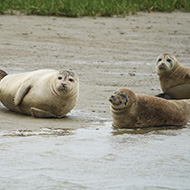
(76, 8)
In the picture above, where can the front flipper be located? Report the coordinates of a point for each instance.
(187, 76)
(35, 112)
(22, 91)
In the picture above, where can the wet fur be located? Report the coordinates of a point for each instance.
(147, 111)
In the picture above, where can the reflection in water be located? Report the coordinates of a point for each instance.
(95, 157)
(156, 130)
(41, 132)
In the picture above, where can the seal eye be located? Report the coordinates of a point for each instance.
(159, 60)
(71, 80)
(123, 96)
(126, 101)
(170, 61)
(59, 78)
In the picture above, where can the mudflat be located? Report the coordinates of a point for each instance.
(106, 53)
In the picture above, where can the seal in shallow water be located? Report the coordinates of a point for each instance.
(137, 111)
(174, 78)
(41, 93)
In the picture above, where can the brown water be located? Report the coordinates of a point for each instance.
(96, 157)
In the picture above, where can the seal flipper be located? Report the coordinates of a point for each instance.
(187, 76)
(22, 91)
(36, 112)
(2, 74)
(164, 96)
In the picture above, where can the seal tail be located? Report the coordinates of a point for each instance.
(2, 74)
(186, 106)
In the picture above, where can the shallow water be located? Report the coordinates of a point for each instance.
(97, 157)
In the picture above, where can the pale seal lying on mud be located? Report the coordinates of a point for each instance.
(174, 78)
(41, 93)
(137, 111)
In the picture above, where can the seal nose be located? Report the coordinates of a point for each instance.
(63, 84)
(111, 98)
(162, 66)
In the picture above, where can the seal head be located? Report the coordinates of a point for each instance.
(122, 99)
(165, 64)
(64, 83)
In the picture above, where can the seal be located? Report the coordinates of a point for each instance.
(2, 74)
(130, 110)
(174, 78)
(40, 93)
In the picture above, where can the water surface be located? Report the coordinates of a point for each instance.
(96, 157)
